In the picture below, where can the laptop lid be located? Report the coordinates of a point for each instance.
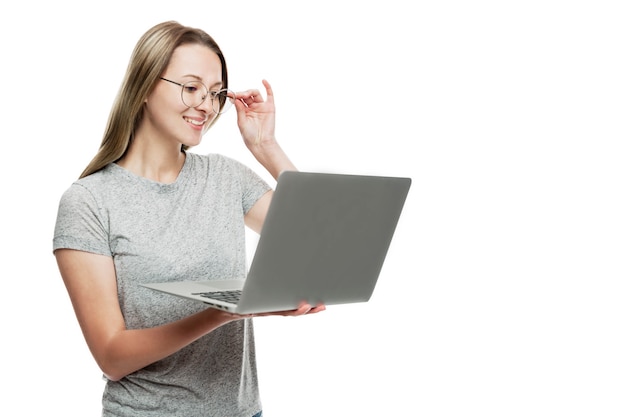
(324, 240)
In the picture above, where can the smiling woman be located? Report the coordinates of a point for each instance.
(172, 120)
(164, 45)
(147, 209)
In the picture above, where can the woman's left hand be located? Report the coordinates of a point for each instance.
(256, 117)
(302, 310)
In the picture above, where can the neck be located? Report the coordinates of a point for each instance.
(149, 160)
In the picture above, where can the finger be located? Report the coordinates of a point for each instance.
(239, 104)
(317, 309)
(279, 313)
(255, 96)
(268, 90)
(249, 96)
(241, 107)
(302, 309)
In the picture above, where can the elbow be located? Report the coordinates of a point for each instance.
(111, 373)
(112, 369)
(112, 377)
(113, 359)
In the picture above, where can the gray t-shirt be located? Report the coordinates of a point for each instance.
(192, 229)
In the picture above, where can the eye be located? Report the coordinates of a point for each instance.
(190, 88)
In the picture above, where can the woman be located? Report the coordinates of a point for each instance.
(146, 209)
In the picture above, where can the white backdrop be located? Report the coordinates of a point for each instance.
(509, 118)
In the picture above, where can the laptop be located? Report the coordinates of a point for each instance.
(324, 240)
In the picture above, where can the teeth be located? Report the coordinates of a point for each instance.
(194, 122)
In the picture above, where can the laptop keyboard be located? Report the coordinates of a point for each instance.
(231, 296)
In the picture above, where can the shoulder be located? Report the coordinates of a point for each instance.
(228, 174)
(101, 178)
(92, 187)
(212, 159)
(83, 188)
(217, 165)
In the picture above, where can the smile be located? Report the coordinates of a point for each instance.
(194, 122)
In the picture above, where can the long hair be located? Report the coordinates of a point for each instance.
(149, 60)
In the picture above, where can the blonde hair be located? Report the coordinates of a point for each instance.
(149, 60)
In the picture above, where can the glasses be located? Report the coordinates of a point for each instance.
(194, 93)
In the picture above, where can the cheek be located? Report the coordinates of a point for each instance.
(163, 114)
(165, 99)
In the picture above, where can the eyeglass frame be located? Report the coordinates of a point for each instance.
(213, 94)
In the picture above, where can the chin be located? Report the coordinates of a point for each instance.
(192, 142)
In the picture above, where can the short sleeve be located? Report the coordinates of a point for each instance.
(80, 223)
(253, 186)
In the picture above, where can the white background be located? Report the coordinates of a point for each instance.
(507, 115)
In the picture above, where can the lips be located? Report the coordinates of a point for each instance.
(195, 122)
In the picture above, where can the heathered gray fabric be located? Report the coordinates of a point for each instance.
(190, 229)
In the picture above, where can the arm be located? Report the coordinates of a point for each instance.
(92, 286)
(256, 121)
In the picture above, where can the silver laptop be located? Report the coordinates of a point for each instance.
(324, 240)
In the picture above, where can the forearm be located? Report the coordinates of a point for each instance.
(272, 157)
(130, 350)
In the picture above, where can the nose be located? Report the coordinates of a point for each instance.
(206, 106)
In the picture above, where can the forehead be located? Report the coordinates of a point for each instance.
(195, 60)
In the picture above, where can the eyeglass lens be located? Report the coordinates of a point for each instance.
(194, 93)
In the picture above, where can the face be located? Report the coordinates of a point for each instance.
(165, 114)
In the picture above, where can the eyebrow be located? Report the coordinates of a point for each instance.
(197, 77)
